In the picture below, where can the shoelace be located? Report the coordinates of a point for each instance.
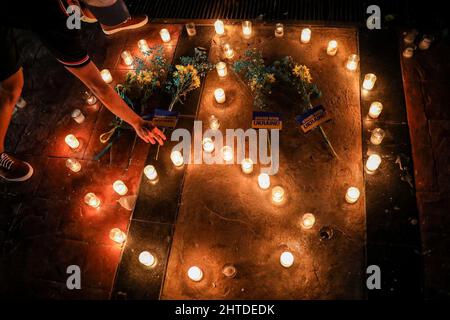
(5, 161)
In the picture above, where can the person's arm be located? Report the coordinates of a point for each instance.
(91, 77)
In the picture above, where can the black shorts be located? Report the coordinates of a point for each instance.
(48, 20)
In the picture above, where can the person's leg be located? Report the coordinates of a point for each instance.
(113, 15)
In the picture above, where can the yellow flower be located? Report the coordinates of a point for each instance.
(302, 72)
(270, 78)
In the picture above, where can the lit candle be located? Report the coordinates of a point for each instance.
(426, 41)
(277, 194)
(150, 172)
(221, 68)
(375, 109)
(279, 30)
(208, 145)
(264, 181)
(127, 57)
(165, 35)
(287, 259)
(332, 48)
(120, 187)
(352, 62)
(106, 76)
(143, 45)
(90, 98)
(214, 123)
(177, 158)
(77, 116)
(219, 94)
(190, 28)
(219, 27)
(308, 221)
(352, 195)
(147, 259)
(229, 52)
(369, 81)
(306, 35)
(247, 28)
(195, 273)
(92, 200)
(373, 162)
(72, 141)
(21, 103)
(227, 153)
(73, 164)
(408, 52)
(247, 166)
(117, 235)
(377, 136)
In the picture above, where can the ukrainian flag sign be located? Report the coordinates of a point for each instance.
(266, 120)
(312, 118)
(164, 118)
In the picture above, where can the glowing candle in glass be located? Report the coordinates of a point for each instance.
(332, 48)
(277, 194)
(287, 259)
(177, 158)
(21, 103)
(247, 28)
(190, 29)
(372, 163)
(195, 273)
(150, 172)
(352, 195)
(77, 116)
(352, 62)
(147, 259)
(117, 235)
(308, 220)
(90, 98)
(143, 45)
(73, 164)
(227, 153)
(106, 76)
(208, 145)
(221, 68)
(306, 35)
(127, 58)
(426, 41)
(92, 200)
(219, 95)
(214, 123)
(120, 187)
(247, 166)
(264, 181)
(279, 30)
(375, 109)
(72, 141)
(229, 52)
(369, 81)
(408, 52)
(377, 136)
(165, 35)
(219, 27)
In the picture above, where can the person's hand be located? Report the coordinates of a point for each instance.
(148, 132)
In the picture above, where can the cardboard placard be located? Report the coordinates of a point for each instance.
(312, 118)
(266, 120)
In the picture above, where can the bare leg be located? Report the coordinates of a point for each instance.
(10, 90)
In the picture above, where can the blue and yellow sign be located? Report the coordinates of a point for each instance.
(312, 118)
(266, 120)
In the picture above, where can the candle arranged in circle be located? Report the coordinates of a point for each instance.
(308, 220)
(92, 200)
(195, 273)
(219, 95)
(279, 30)
(127, 58)
(73, 164)
(77, 116)
(369, 81)
(227, 153)
(287, 259)
(190, 29)
(377, 136)
(219, 27)
(277, 194)
(375, 109)
(147, 259)
(352, 195)
(72, 141)
(373, 162)
(90, 98)
(221, 68)
(150, 172)
(214, 123)
(352, 62)
(165, 35)
(332, 48)
(120, 187)
(229, 52)
(247, 166)
(208, 145)
(306, 35)
(117, 235)
(106, 76)
(177, 158)
(264, 181)
(143, 45)
(247, 28)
